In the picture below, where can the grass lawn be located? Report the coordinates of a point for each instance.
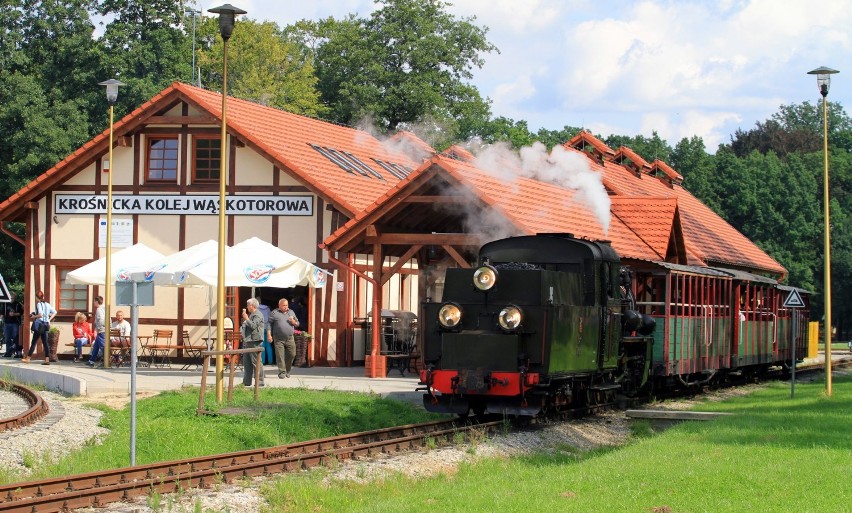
(774, 455)
(167, 427)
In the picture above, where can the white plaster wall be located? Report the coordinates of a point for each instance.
(74, 236)
(84, 177)
(252, 169)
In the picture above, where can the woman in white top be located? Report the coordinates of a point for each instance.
(41, 325)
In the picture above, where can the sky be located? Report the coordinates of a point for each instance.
(681, 68)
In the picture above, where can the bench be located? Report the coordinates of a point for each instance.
(73, 347)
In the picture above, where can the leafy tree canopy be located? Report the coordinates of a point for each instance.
(408, 62)
(263, 67)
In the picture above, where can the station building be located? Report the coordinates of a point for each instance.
(384, 216)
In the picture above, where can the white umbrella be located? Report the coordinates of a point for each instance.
(256, 263)
(172, 269)
(123, 264)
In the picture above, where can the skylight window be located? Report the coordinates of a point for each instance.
(343, 165)
(363, 166)
(394, 169)
(348, 162)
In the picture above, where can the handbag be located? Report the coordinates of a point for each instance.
(37, 325)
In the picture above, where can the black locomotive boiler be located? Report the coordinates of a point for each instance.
(543, 322)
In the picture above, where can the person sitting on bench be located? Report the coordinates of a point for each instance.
(82, 335)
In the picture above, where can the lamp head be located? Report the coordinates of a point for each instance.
(823, 78)
(112, 89)
(227, 13)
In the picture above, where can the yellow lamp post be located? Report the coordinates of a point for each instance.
(823, 82)
(227, 13)
(112, 95)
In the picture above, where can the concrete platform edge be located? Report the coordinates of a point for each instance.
(52, 381)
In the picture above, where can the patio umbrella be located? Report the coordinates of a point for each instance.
(172, 269)
(123, 264)
(257, 263)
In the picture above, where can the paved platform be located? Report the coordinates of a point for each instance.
(80, 379)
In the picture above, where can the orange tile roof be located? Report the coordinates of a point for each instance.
(285, 138)
(532, 206)
(708, 237)
(650, 218)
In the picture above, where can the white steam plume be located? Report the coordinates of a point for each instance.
(560, 167)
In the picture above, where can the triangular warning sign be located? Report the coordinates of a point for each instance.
(4, 291)
(794, 300)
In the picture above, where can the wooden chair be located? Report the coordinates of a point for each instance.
(160, 347)
(119, 348)
(191, 351)
(232, 341)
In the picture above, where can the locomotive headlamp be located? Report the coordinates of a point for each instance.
(485, 277)
(510, 318)
(449, 316)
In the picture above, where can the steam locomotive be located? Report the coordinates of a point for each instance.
(553, 321)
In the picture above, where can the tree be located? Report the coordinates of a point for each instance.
(691, 160)
(263, 67)
(551, 138)
(145, 46)
(795, 129)
(649, 148)
(407, 63)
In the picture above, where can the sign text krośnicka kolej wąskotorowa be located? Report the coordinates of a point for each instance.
(186, 205)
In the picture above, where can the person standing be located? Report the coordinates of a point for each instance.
(252, 332)
(82, 334)
(100, 330)
(282, 323)
(13, 312)
(41, 325)
(268, 353)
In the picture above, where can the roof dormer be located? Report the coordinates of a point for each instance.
(592, 146)
(458, 153)
(665, 173)
(632, 161)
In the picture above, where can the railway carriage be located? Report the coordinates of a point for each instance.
(552, 321)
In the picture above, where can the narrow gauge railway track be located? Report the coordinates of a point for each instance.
(97, 489)
(37, 409)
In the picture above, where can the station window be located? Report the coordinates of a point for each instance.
(72, 298)
(207, 159)
(162, 159)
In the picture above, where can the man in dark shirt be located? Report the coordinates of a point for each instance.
(13, 311)
(282, 323)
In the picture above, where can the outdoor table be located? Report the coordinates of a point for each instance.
(144, 351)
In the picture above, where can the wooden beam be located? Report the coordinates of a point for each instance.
(675, 415)
(181, 120)
(124, 141)
(399, 263)
(456, 256)
(439, 239)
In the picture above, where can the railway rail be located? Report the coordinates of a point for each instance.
(37, 408)
(96, 489)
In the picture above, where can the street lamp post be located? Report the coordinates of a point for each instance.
(193, 13)
(823, 82)
(112, 95)
(227, 13)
